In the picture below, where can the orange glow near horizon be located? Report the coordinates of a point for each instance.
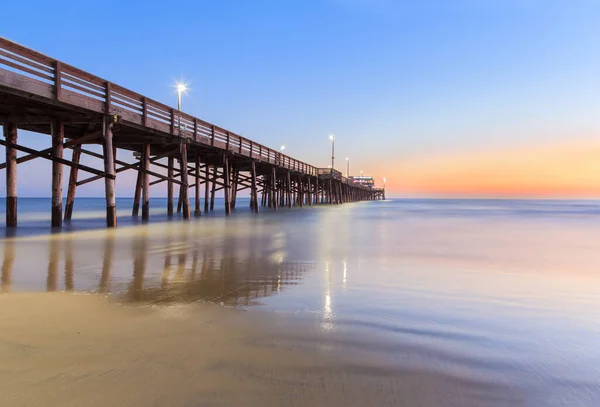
(570, 169)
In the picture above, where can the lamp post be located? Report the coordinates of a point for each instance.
(181, 88)
(281, 154)
(361, 173)
(384, 182)
(347, 167)
(332, 138)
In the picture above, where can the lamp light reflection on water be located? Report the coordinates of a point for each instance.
(327, 323)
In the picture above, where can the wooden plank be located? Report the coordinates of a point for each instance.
(26, 69)
(66, 83)
(25, 84)
(67, 76)
(24, 51)
(28, 62)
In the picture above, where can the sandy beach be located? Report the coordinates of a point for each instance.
(74, 350)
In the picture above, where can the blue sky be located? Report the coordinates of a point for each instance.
(393, 80)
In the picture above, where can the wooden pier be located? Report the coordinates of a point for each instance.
(78, 109)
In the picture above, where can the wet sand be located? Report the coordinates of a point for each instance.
(75, 349)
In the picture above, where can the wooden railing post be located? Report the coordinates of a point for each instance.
(108, 91)
(58, 80)
(144, 111)
(212, 135)
(172, 111)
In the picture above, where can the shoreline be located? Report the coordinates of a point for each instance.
(85, 349)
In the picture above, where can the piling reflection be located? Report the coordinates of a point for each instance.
(229, 271)
(168, 263)
(53, 259)
(7, 266)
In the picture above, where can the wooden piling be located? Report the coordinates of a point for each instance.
(146, 182)
(10, 135)
(184, 187)
(227, 186)
(179, 198)
(58, 134)
(109, 169)
(234, 187)
(300, 191)
(170, 164)
(274, 186)
(197, 186)
(214, 188)
(206, 187)
(138, 190)
(289, 189)
(253, 190)
(76, 155)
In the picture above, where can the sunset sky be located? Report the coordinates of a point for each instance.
(444, 98)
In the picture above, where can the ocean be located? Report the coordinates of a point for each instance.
(500, 296)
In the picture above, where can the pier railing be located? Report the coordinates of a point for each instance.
(29, 71)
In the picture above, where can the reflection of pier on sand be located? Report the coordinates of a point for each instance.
(164, 264)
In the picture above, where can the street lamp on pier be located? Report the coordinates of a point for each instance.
(347, 167)
(181, 88)
(332, 138)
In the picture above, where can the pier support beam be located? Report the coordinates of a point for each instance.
(234, 187)
(253, 190)
(214, 188)
(109, 168)
(274, 189)
(145, 164)
(138, 191)
(170, 163)
(10, 135)
(72, 182)
(58, 135)
(197, 186)
(206, 187)
(300, 191)
(227, 184)
(289, 189)
(184, 187)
